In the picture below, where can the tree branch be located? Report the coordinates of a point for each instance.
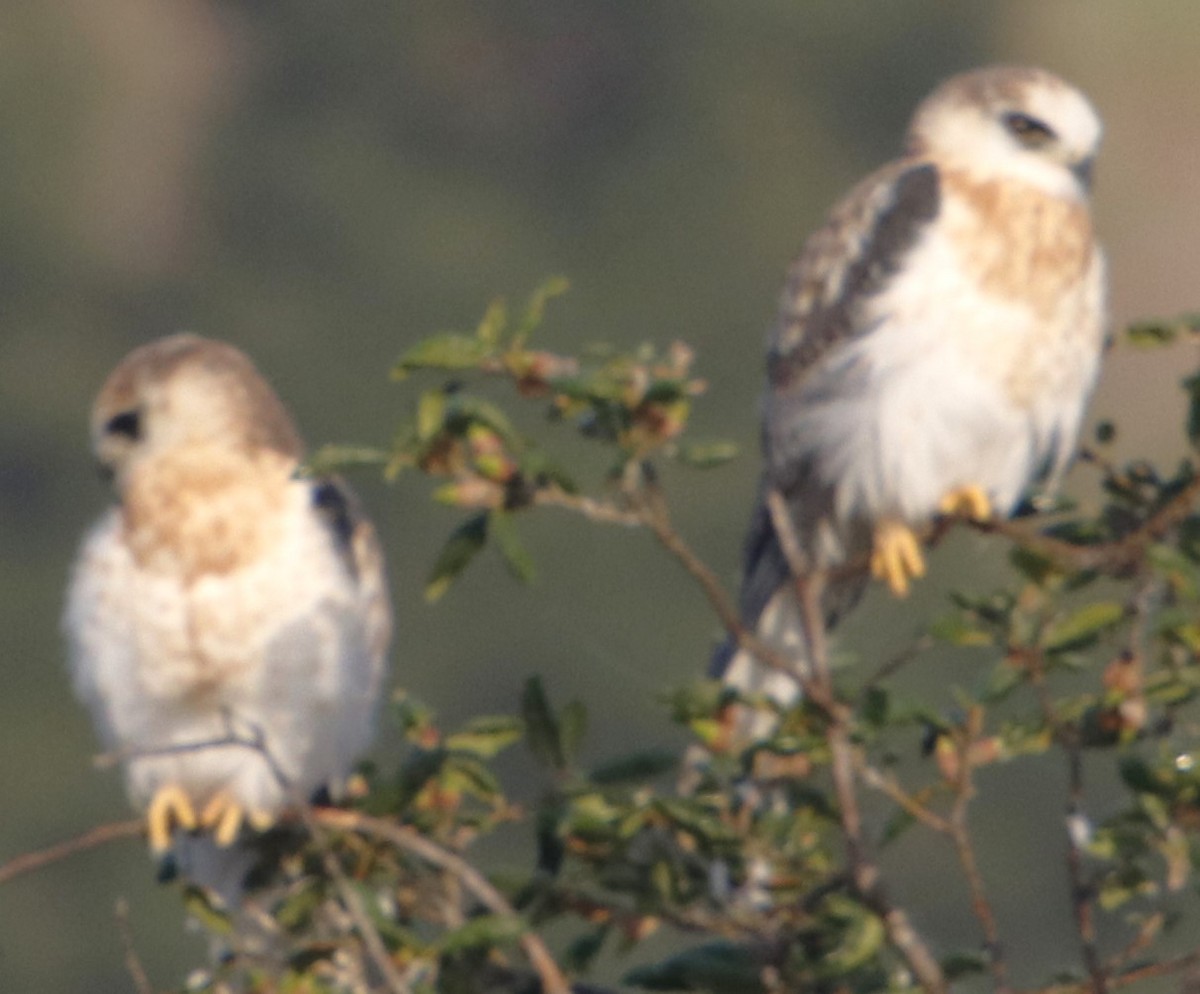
(93, 838)
(405, 838)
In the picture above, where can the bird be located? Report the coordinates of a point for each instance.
(228, 618)
(937, 342)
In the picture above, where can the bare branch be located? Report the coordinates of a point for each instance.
(137, 973)
(553, 981)
(354, 906)
(864, 872)
(93, 838)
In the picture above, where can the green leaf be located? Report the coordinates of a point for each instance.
(431, 414)
(706, 455)
(876, 704)
(582, 952)
(541, 727)
(1155, 332)
(1192, 386)
(572, 725)
(535, 310)
(863, 937)
(963, 964)
(461, 547)
(719, 967)
(1085, 626)
(485, 931)
(638, 767)
(197, 904)
(899, 823)
(516, 558)
(447, 351)
(486, 737)
(958, 630)
(336, 458)
(491, 325)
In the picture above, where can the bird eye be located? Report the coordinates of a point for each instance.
(127, 423)
(1029, 131)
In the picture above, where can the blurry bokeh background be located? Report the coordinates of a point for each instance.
(322, 184)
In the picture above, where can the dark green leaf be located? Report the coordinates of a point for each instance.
(1192, 385)
(719, 967)
(638, 767)
(582, 952)
(572, 725)
(541, 727)
(460, 548)
(485, 931)
(963, 964)
(502, 528)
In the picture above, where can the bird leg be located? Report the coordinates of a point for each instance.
(896, 557)
(224, 816)
(169, 807)
(969, 501)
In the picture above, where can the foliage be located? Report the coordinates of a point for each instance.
(759, 857)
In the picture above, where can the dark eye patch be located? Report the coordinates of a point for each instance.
(127, 423)
(1029, 131)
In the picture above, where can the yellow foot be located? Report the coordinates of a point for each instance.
(970, 501)
(896, 558)
(169, 807)
(224, 816)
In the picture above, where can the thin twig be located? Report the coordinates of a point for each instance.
(93, 838)
(960, 834)
(864, 872)
(553, 981)
(1081, 889)
(137, 973)
(1114, 557)
(352, 901)
(888, 786)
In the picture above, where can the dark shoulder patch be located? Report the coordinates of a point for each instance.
(336, 507)
(806, 334)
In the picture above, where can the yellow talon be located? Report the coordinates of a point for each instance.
(897, 556)
(169, 807)
(224, 816)
(971, 501)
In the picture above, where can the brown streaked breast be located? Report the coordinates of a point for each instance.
(1023, 245)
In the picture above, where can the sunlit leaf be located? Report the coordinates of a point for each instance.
(337, 458)
(1085, 626)
(431, 414)
(485, 737)
(535, 310)
(706, 455)
(448, 351)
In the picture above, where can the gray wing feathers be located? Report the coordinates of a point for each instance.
(853, 256)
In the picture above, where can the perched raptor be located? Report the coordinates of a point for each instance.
(937, 341)
(228, 619)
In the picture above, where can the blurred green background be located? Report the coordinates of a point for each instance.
(322, 184)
